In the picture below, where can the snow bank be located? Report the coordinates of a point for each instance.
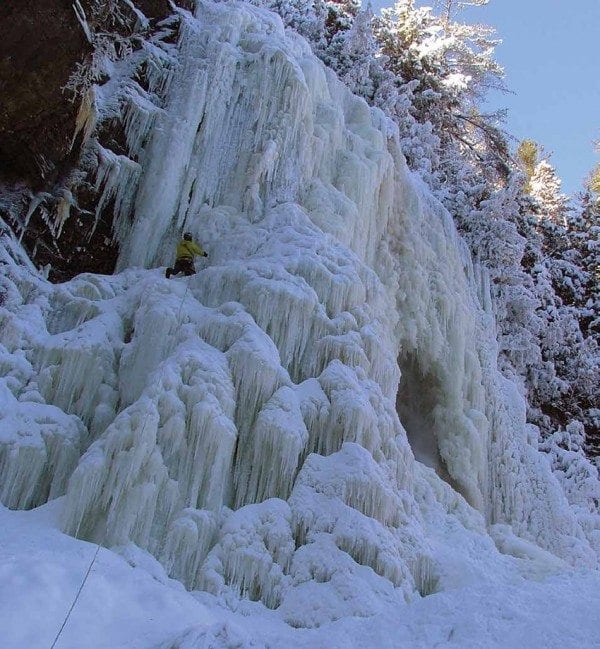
(121, 604)
(128, 602)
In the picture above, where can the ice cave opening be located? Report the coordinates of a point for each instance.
(418, 403)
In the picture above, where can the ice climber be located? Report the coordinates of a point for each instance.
(187, 249)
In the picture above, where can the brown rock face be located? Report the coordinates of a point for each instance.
(40, 45)
(42, 42)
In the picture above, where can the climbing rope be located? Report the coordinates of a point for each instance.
(86, 574)
(76, 596)
(187, 288)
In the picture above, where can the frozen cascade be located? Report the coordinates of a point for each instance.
(39, 449)
(270, 458)
(241, 424)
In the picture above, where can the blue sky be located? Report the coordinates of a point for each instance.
(550, 54)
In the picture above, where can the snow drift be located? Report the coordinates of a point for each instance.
(246, 426)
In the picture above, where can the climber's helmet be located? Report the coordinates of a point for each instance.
(187, 236)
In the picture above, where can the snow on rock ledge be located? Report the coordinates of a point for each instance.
(242, 423)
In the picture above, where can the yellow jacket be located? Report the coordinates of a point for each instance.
(188, 250)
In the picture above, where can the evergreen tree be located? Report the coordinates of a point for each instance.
(586, 229)
(307, 17)
(545, 190)
(354, 55)
(594, 181)
(449, 66)
(588, 232)
(340, 16)
(528, 155)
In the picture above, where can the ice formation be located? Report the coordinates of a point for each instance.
(248, 425)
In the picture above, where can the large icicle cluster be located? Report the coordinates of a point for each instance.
(242, 425)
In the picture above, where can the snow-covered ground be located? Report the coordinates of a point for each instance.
(41, 570)
(250, 431)
(129, 603)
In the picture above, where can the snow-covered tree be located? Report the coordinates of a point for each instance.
(307, 17)
(340, 16)
(450, 66)
(545, 190)
(586, 236)
(353, 54)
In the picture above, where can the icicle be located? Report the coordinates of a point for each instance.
(87, 117)
(81, 17)
(117, 176)
(142, 22)
(35, 202)
(63, 211)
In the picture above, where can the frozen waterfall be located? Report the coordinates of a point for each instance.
(246, 426)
